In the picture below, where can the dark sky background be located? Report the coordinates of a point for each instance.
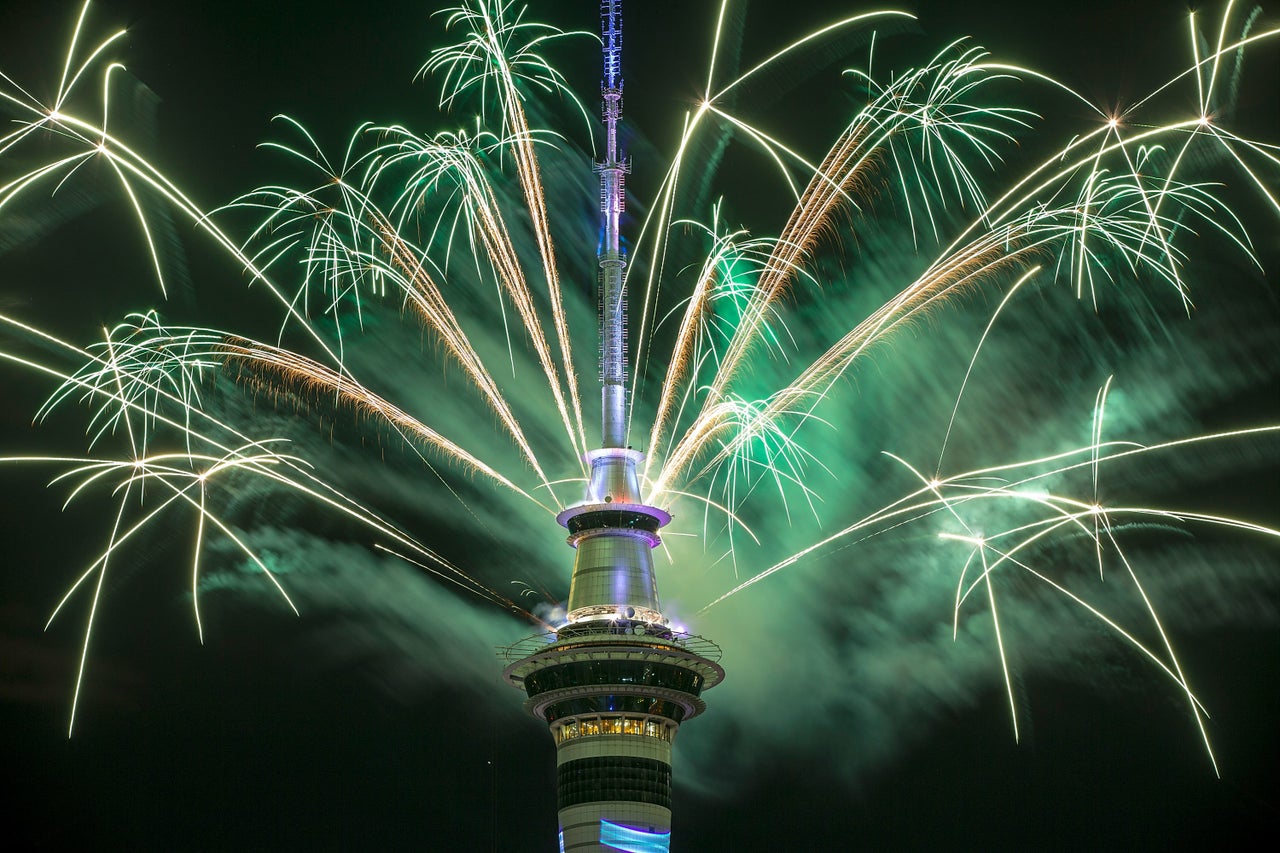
(267, 738)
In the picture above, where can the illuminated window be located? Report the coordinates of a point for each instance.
(614, 726)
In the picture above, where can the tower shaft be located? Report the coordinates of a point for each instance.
(613, 298)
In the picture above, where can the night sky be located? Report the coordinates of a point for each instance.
(378, 718)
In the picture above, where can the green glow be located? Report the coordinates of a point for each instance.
(803, 390)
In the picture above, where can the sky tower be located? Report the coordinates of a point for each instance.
(615, 681)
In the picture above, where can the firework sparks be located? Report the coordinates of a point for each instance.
(431, 217)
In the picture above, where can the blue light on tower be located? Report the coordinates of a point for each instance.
(630, 840)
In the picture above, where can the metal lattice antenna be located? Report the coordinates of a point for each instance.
(613, 297)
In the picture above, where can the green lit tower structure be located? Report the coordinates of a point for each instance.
(616, 680)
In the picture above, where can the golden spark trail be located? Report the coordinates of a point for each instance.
(656, 222)
(308, 485)
(425, 295)
(446, 156)
(930, 100)
(491, 48)
(304, 372)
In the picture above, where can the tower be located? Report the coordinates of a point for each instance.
(614, 682)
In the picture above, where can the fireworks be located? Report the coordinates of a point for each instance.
(738, 405)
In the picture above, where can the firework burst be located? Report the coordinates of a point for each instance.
(749, 348)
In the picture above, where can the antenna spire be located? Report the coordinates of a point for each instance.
(613, 297)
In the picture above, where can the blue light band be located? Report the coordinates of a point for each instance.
(628, 840)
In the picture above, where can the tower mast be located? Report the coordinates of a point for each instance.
(613, 299)
(615, 681)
